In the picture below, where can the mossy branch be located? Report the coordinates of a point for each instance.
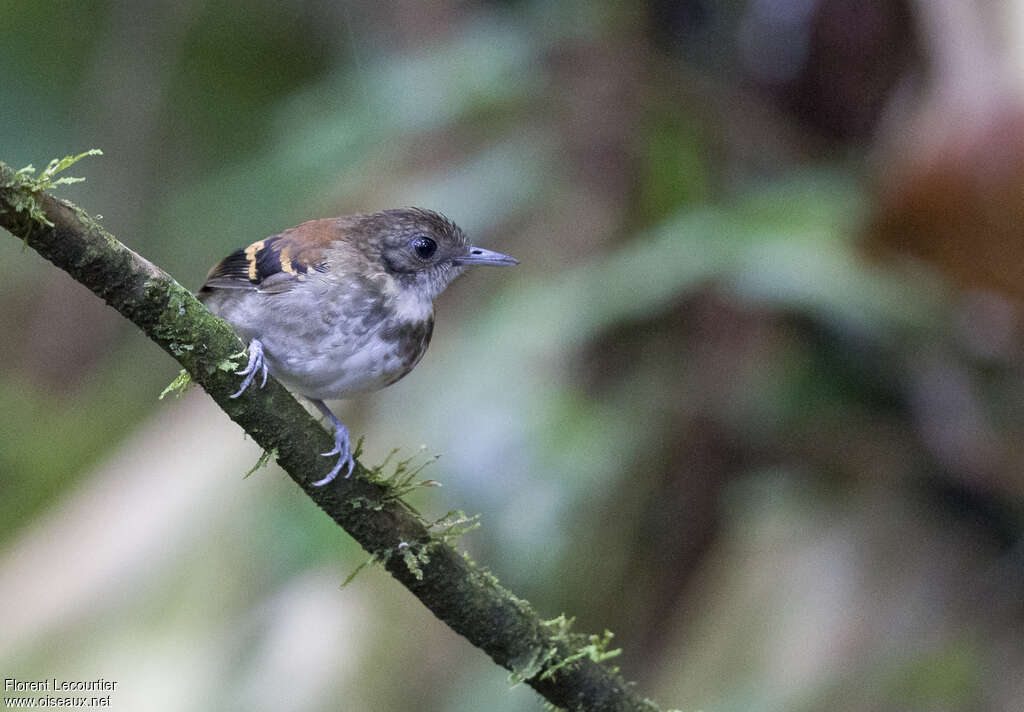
(465, 597)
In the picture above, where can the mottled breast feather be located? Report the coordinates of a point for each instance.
(275, 264)
(410, 339)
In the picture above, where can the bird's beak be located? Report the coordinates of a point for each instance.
(480, 256)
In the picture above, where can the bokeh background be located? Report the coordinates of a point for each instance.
(754, 399)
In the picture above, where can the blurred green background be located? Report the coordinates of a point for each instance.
(753, 400)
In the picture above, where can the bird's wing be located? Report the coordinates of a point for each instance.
(275, 264)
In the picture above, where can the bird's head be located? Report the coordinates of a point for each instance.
(424, 250)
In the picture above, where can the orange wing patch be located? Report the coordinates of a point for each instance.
(268, 263)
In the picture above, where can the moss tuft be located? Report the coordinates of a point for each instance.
(402, 479)
(23, 189)
(596, 649)
(181, 383)
(265, 457)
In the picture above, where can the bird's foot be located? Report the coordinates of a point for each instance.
(257, 364)
(342, 447)
(344, 452)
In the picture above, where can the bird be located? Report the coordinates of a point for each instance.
(341, 306)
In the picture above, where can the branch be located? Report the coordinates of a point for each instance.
(557, 664)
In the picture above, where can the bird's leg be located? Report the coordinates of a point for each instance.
(257, 364)
(341, 446)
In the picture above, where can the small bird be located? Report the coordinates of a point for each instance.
(341, 306)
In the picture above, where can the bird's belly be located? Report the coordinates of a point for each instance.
(343, 366)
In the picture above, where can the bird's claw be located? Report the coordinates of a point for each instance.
(257, 364)
(342, 446)
(343, 450)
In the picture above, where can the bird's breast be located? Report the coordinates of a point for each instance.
(336, 338)
(408, 342)
(348, 361)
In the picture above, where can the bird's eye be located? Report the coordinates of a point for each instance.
(424, 247)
